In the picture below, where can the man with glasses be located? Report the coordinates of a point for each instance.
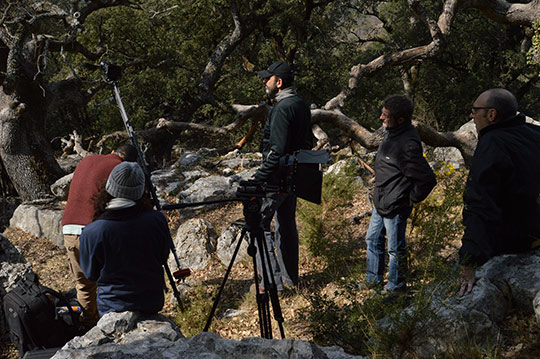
(501, 210)
(287, 129)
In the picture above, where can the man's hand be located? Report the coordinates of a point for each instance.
(468, 277)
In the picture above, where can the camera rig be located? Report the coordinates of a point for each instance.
(300, 174)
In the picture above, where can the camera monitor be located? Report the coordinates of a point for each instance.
(303, 175)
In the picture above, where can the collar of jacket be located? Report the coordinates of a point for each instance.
(516, 120)
(395, 131)
(286, 92)
(121, 214)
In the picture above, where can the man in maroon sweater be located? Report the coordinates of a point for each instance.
(89, 177)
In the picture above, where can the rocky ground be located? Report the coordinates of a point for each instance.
(50, 263)
(519, 336)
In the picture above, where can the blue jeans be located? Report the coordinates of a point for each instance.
(284, 260)
(394, 228)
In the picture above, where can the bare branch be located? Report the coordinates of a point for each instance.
(465, 141)
(323, 142)
(213, 68)
(405, 56)
(349, 126)
(505, 12)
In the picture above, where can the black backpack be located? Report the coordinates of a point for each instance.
(33, 319)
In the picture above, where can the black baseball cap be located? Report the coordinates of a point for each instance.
(280, 69)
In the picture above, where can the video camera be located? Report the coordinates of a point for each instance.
(299, 173)
(113, 71)
(251, 188)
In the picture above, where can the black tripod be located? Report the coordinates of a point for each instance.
(113, 74)
(252, 214)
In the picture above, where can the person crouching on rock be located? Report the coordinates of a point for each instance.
(125, 247)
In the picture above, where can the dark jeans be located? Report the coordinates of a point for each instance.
(283, 247)
(394, 228)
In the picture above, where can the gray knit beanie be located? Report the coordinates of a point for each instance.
(126, 181)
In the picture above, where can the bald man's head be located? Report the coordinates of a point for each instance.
(501, 100)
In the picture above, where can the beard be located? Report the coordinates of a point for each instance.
(271, 91)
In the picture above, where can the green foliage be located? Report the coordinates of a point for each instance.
(191, 318)
(435, 225)
(166, 45)
(329, 238)
(535, 48)
(366, 321)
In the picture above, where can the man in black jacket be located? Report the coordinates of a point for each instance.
(501, 212)
(287, 129)
(402, 177)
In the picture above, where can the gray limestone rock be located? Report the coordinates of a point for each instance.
(227, 243)
(41, 221)
(504, 282)
(195, 240)
(12, 268)
(129, 335)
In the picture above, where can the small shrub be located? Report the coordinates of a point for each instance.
(196, 307)
(328, 236)
(364, 322)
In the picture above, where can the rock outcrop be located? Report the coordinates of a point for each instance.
(40, 220)
(131, 335)
(505, 282)
(195, 240)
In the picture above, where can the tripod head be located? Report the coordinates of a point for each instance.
(251, 188)
(113, 72)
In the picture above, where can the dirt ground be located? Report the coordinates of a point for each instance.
(50, 263)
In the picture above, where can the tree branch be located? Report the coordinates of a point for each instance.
(505, 12)
(213, 68)
(438, 35)
(349, 126)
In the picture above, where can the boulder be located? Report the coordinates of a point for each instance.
(451, 155)
(503, 283)
(188, 159)
(195, 240)
(208, 188)
(40, 220)
(131, 335)
(536, 304)
(69, 162)
(342, 165)
(227, 243)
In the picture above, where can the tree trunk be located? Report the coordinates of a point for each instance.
(25, 153)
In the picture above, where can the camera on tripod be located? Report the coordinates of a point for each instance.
(113, 71)
(252, 188)
(299, 173)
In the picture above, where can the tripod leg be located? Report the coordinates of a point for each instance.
(278, 315)
(173, 285)
(263, 305)
(218, 295)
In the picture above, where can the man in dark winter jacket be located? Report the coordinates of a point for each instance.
(501, 210)
(402, 177)
(287, 129)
